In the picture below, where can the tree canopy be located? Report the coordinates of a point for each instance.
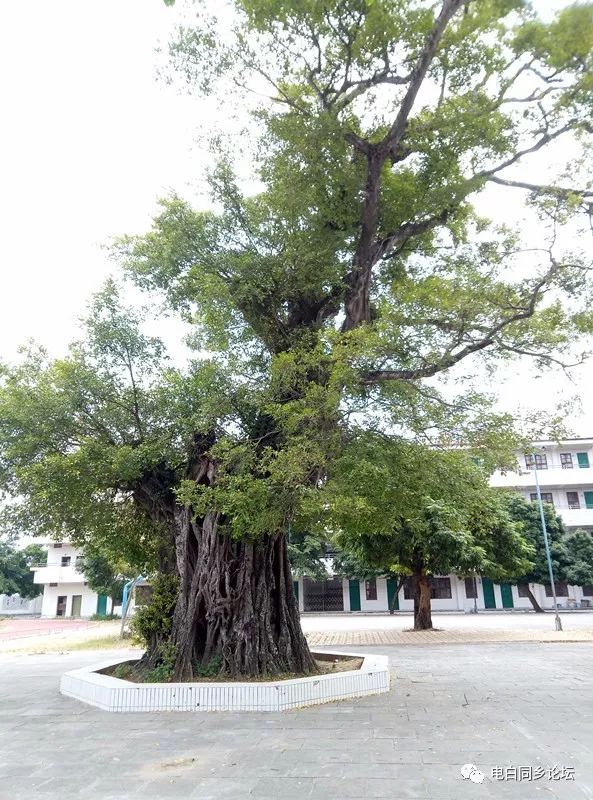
(331, 290)
(527, 514)
(571, 554)
(410, 510)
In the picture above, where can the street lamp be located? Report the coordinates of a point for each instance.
(558, 621)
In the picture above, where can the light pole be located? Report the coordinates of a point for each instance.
(558, 621)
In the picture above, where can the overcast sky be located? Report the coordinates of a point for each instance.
(89, 140)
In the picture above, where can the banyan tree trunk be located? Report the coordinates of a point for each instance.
(236, 604)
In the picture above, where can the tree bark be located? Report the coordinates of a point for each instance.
(536, 606)
(422, 608)
(236, 607)
(400, 583)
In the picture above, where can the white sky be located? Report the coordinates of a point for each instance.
(89, 140)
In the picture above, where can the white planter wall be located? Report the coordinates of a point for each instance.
(113, 694)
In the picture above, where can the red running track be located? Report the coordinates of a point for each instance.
(20, 628)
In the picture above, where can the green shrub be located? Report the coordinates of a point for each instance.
(154, 619)
(163, 671)
(209, 670)
(122, 671)
(104, 617)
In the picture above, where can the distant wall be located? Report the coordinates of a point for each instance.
(14, 604)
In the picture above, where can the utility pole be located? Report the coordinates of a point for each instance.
(558, 621)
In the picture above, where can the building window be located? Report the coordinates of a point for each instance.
(53, 584)
(546, 497)
(57, 545)
(573, 499)
(561, 589)
(470, 588)
(541, 461)
(370, 588)
(583, 460)
(523, 589)
(440, 588)
(588, 590)
(66, 561)
(566, 460)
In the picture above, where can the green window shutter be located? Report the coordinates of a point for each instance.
(588, 499)
(506, 592)
(583, 459)
(354, 587)
(489, 597)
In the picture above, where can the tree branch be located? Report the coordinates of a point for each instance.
(357, 302)
(489, 339)
(559, 191)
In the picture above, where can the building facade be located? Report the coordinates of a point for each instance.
(565, 473)
(65, 591)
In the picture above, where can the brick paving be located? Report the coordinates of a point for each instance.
(497, 706)
(366, 638)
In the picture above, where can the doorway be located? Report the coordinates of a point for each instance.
(76, 605)
(61, 607)
(506, 592)
(488, 589)
(323, 595)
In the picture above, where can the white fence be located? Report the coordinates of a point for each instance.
(14, 604)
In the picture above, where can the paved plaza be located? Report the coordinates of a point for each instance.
(498, 706)
(39, 635)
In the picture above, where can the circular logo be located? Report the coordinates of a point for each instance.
(472, 773)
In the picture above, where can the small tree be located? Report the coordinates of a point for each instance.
(16, 576)
(527, 515)
(103, 575)
(407, 509)
(307, 554)
(580, 549)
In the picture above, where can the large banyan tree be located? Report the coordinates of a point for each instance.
(334, 283)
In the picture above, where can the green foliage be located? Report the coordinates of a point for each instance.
(103, 576)
(330, 296)
(527, 516)
(209, 670)
(400, 508)
(163, 671)
(580, 548)
(348, 565)
(84, 438)
(104, 617)
(16, 576)
(307, 554)
(154, 619)
(122, 671)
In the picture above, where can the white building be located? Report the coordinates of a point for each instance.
(449, 593)
(565, 474)
(65, 591)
